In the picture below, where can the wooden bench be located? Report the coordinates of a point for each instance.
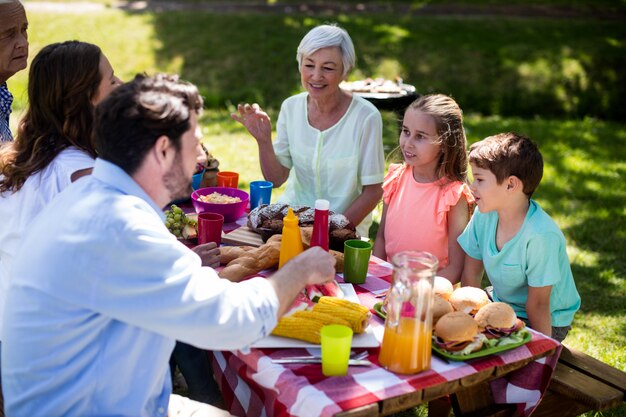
(580, 384)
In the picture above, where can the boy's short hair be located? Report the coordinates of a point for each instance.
(509, 154)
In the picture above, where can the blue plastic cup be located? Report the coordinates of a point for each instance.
(260, 193)
(196, 180)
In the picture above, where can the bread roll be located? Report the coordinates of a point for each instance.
(252, 261)
(468, 299)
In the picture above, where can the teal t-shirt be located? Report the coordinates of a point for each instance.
(535, 257)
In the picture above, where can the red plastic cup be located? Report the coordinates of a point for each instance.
(227, 179)
(210, 228)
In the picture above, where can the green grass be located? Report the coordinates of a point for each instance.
(578, 4)
(530, 72)
(534, 67)
(505, 66)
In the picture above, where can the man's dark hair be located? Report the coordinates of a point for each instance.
(135, 115)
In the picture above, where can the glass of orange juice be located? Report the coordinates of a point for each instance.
(406, 346)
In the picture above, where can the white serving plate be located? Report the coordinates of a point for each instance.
(363, 340)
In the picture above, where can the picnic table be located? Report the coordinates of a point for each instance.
(255, 386)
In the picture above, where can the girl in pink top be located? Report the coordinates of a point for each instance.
(426, 199)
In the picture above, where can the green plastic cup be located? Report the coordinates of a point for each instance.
(336, 343)
(356, 258)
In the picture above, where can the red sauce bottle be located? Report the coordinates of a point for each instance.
(320, 224)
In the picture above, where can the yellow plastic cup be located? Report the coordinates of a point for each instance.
(336, 343)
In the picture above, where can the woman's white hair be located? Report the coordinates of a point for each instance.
(325, 36)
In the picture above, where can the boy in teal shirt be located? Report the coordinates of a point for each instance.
(519, 246)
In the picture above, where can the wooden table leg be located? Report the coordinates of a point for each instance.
(440, 407)
(477, 401)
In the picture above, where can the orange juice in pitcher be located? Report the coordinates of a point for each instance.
(406, 346)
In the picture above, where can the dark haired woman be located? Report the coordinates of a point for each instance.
(54, 144)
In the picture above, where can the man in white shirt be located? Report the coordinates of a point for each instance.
(102, 290)
(13, 56)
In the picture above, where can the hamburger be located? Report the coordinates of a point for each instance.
(457, 333)
(441, 306)
(468, 299)
(498, 320)
(443, 287)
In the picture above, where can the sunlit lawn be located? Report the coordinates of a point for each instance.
(253, 58)
(506, 66)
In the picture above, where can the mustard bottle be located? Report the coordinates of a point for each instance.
(291, 244)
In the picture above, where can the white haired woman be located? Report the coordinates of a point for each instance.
(329, 141)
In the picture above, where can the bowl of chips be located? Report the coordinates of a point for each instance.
(229, 202)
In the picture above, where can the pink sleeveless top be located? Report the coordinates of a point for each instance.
(416, 217)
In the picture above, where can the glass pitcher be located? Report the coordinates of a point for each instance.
(406, 346)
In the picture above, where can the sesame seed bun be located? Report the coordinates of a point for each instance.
(468, 299)
(443, 287)
(496, 315)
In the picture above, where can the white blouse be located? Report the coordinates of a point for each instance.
(17, 210)
(333, 164)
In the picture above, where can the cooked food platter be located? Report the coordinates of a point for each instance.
(524, 337)
(475, 327)
(384, 94)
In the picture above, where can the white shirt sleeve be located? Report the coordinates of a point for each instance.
(372, 160)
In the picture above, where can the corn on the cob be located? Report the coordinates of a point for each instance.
(299, 328)
(323, 318)
(342, 302)
(357, 315)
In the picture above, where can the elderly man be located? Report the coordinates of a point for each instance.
(102, 289)
(13, 56)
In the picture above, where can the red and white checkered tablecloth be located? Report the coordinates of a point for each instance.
(254, 386)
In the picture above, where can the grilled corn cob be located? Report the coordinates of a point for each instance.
(358, 316)
(321, 317)
(342, 302)
(299, 328)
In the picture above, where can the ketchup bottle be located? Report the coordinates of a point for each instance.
(291, 244)
(320, 224)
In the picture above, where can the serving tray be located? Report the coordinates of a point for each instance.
(484, 351)
(366, 339)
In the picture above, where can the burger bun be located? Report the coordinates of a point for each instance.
(441, 306)
(496, 315)
(468, 299)
(456, 327)
(443, 287)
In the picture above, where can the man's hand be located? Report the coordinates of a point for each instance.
(209, 253)
(311, 267)
(317, 265)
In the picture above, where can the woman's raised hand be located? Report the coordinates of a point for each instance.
(255, 120)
